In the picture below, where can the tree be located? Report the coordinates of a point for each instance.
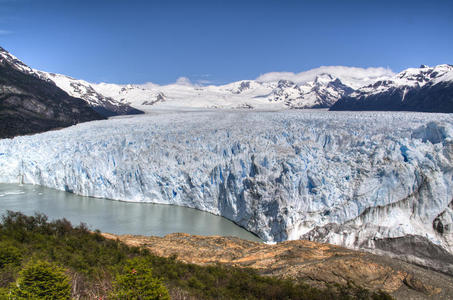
(137, 282)
(42, 280)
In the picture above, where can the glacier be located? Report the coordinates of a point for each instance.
(348, 178)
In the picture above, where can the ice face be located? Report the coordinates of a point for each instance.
(282, 175)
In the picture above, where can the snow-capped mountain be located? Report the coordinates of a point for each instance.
(82, 89)
(423, 89)
(29, 104)
(317, 88)
(428, 89)
(75, 88)
(368, 180)
(16, 63)
(324, 91)
(320, 93)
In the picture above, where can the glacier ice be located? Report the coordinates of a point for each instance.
(347, 178)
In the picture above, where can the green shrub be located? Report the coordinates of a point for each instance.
(381, 296)
(4, 294)
(42, 280)
(137, 282)
(9, 255)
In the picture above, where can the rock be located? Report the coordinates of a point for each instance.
(314, 263)
(414, 283)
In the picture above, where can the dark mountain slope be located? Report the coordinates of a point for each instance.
(31, 105)
(436, 98)
(424, 89)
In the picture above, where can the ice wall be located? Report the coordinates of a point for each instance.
(340, 177)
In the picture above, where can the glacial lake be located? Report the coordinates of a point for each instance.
(115, 216)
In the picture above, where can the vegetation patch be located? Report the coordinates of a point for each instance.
(53, 258)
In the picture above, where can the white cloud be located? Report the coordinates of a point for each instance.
(5, 32)
(149, 85)
(353, 76)
(184, 81)
(194, 82)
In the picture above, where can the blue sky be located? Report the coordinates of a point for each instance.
(222, 41)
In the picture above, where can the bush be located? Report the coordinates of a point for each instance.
(4, 293)
(137, 282)
(9, 255)
(42, 280)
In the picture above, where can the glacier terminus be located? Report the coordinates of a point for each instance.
(355, 179)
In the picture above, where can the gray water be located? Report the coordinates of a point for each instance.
(115, 216)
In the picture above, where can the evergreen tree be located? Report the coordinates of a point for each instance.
(137, 282)
(42, 280)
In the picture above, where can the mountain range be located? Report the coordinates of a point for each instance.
(416, 89)
(428, 89)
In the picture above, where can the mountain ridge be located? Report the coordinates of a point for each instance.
(105, 106)
(30, 105)
(425, 89)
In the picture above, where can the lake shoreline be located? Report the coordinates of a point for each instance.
(119, 217)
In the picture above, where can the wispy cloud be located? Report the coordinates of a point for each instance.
(202, 79)
(5, 32)
(195, 82)
(204, 82)
(184, 81)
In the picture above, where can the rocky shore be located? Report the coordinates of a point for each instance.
(315, 263)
